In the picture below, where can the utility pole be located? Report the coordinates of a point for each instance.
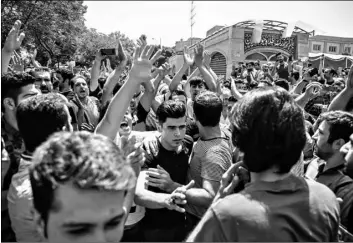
(192, 22)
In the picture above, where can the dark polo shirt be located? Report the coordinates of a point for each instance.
(292, 209)
(176, 164)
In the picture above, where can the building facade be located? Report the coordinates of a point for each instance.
(331, 45)
(232, 44)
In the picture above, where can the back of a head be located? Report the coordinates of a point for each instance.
(170, 109)
(85, 160)
(40, 116)
(11, 85)
(341, 125)
(208, 108)
(282, 83)
(269, 129)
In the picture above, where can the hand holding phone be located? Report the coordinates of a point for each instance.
(108, 52)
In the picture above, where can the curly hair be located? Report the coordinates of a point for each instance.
(11, 85)
(85, 160)
(268, 127)
(341, 125)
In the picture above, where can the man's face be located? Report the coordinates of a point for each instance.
(196, 89)
(181, 98)
(126, 125)
(322, 148)
(86, 215)
(81, 88)
(280, 58)
(26, 92)
(43, 82)
(173, 131)
(327, 74)
(257, 66)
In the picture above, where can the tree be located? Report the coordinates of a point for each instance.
(91, 41)
(53, 26)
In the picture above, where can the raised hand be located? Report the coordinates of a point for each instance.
(142, 65)
(122, 58)
(99, 56)
(18, 63)
(313, 90)
(199, 55)
(187, 58)
(136, 158)
(14, 39)
(164, 70)
(349, 81)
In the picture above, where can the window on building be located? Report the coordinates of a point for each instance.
(332, 48)
(347, 50)
(316, 47)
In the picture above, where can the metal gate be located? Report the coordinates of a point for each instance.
(219, 64)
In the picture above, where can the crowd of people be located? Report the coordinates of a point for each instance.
(136, 153)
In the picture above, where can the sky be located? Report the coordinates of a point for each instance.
(169, 21)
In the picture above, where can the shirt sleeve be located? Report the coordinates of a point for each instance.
(208, 230)
(214, 165)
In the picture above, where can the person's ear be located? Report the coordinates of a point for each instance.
(9, 103)
(159, 127)
(337, 144)
(39, 222)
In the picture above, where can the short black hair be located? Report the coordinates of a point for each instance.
(177, 92)
(170, 109)
(282, 83)
(341, 125)
(40, 116)
(268, 127)
(232, 99)
(65, 73)
(197, 80)
(208, 108)
(11, 85)
(295, 75)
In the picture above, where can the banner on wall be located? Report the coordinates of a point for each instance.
(334, 61)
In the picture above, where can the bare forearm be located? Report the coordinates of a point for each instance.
(210, 81)
(214, 75)
(177, 78)
(340, 101)
(302, 100)
(199, 197)
(94, 75)
(110, 123)
(110, 84)
(150, 199)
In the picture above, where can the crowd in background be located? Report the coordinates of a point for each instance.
(137, 153)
